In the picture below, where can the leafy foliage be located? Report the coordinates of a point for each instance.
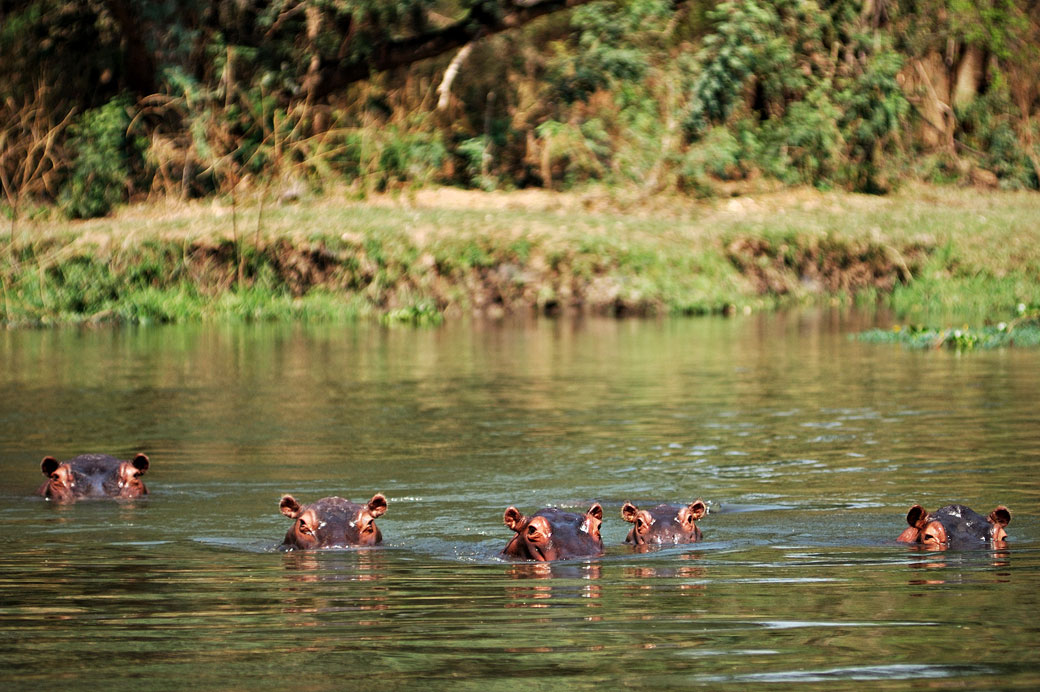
(100, 165)
(989, 128)
(647, 93)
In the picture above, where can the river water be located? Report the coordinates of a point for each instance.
(808, 446)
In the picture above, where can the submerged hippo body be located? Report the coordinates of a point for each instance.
(552, 534)
(954, 525)
(93, 476)
(664, 523)
(332, 522)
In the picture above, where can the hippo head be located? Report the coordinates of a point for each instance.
(93, 475)
(332, 522)
(664, 523)
(954, 524)
(552, 534)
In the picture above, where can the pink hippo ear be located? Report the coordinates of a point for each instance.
(629, 512)
(1001, 516)
(140, 462)
(596, 511)
(513, 518)
(289, 506)
(917, 518)
(377, 505)
(698, 509)
(49, 465)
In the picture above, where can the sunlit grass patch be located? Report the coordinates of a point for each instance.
(932, 256)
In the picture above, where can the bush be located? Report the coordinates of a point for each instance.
(812, 139)
(875, 109)
(412, 157)
(988, 129)
(100, 168)
(717, 155)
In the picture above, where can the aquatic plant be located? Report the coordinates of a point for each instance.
(1024, 330)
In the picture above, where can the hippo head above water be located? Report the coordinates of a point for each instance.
(552, 534)
(332, 522)
(954, 525)
(664, 523)
(93, 476)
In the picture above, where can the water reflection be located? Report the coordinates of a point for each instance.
(122, 512)
(310, 606)
(358, 564)
(569, 583)
(823, 437)
(695, 571)
(997, 555)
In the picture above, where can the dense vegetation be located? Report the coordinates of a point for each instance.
(103, 101)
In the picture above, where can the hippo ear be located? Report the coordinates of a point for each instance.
(513, 518)
(596, 510)
(377, 505)
(698, 509)
(1001, 516)
(49, 465)
(917, 517)
(289, 506)
(628, 512)
(140, 462)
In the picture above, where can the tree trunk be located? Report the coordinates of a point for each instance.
(931, 80)
(138, 61)
(969, 76)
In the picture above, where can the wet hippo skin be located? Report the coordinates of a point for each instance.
(553, 534)
(332, 522)
(93, 476)
(955, 525)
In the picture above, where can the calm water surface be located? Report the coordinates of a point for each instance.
(808, 446)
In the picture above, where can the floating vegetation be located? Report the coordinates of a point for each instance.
(422, 314)
(1024, 330)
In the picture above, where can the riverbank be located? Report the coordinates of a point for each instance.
(924, 253)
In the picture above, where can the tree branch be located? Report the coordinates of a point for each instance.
(334, 74)
(444, 90)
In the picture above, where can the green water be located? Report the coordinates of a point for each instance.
(808, 446)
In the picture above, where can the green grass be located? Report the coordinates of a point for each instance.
(932, 255)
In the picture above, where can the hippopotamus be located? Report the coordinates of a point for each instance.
(954, 525)
(332, 522)
(93, 476)
(664, 523)
(553, 534)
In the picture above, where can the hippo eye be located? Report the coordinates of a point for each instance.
(304, 529)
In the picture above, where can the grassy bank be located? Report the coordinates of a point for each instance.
(927, 253)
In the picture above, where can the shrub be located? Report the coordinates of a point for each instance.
(988, 126)
(100, 168)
